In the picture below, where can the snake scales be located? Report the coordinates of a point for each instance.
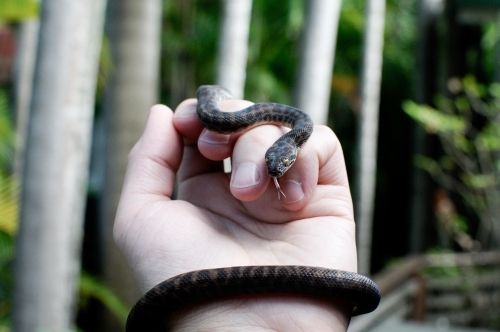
(151, 312)
(282, 154)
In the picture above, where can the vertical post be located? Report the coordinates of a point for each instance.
(368, 132)
(233, 46)
(23, 85)
(313, 84)
(233, 50)
(425, 88)
(48, 244)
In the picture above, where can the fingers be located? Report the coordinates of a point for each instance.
(319, 170)
(204, 149)
(249, 179)
(155, 158)
(332, 186)
(320, 162)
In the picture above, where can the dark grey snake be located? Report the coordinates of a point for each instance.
(282, 154)
(151, 312)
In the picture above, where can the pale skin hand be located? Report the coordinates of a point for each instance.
(221, 221)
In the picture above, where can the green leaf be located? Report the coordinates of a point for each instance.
(106, 67)
(444, 104)
(427, 164)
(17, 10)
(462, 104)
(446, 162)
(489, 137)
(433, 120)
(91, 287)
(477, 202)
(6, 132)
(462, 143)
(295, 17)
(6, 249)
(472, 87)
(8, 184)
(494, 89)
(460, 223)
(9, 207)
(479, 181)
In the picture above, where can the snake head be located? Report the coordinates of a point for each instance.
(279, 159)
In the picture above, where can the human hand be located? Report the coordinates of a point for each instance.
(221, 220)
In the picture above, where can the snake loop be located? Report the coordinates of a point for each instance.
(283, 153)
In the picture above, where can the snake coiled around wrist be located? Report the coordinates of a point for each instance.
(152, 311)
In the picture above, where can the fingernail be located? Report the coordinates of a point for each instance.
(245, 175)
(186, 112)
(293, 191)
(213, 138)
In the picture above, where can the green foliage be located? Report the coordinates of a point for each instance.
(91, 287)
(190, 30)
(468, 126)
(349, 39)
(449, 271)
(16, 10)
(8, 204)
(434, 120)
(489, 46)
(8, 184)
(397, 72)
(465, 273)
(105, 67)
(400, 34)
(399, 41)
(190, 40)
(8, 209)
(6, 255)
(6, 132)
(442, 271)
(430, 165)
(273, 49)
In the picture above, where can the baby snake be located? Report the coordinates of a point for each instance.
(283, 153)
(151, 312)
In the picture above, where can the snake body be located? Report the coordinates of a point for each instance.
(152, 311)
(282, 154)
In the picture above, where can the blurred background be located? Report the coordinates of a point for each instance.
(410, 87)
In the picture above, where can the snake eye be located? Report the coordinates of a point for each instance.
(286, 162)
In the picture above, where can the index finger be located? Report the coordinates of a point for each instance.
(155, 158)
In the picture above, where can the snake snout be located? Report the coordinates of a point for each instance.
(274, 173)
(275, 168)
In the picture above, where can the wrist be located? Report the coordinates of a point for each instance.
(264, 313)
